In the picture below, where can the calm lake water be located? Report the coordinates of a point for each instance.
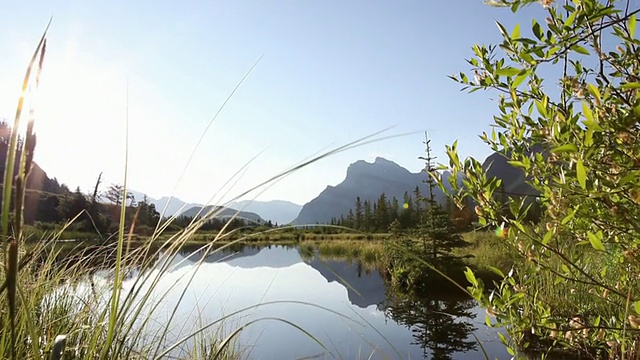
(347, 309)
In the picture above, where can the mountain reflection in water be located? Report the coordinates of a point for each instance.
(347, 309)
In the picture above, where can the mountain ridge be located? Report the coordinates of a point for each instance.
(278, 211)
(367, 181)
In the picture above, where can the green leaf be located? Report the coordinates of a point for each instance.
(636, 307)
(471, 278)
(502, 339)
(632, 25)
(508, 71)
(592, 125)
(596, 242)
(581, 173)
(537, 30)
(580, 50)
(547, 237)
(518, 164)
(552, 51)
(569, 217)
(518, 80)
(593, 90)
(515, 34)
(631, 85)
(565, 148)
(588, 137)
(496, 271)
(542, 110)
(570, 19)
(503, 31)
(586, 111)
(528, 58)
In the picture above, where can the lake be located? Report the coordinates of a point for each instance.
(346, 311)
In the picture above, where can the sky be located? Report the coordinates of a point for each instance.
(326, 73)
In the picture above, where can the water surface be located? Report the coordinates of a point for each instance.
(346, 308)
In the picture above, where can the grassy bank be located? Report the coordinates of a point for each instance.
(486, 250)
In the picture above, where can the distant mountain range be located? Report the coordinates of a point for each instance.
(175, 206)
(363, 179)
(278, 211)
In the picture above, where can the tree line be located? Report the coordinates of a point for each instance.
(380, 215)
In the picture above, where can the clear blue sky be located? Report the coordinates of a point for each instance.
(331, 72)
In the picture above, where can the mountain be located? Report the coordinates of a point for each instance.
(514, 180)
(176, 206)
(42, 195)
(223, 213)
(368, 181)
(278, 211)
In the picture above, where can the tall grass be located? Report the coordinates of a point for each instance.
(366, 253)
(57, 305)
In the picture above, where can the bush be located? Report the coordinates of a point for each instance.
(577, 273)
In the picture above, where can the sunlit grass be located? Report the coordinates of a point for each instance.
(366, 253)
(486, 250)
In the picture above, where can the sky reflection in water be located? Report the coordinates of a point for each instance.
(364, 321)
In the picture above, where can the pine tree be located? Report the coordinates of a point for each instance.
(437, 231)
(394, 209)
(358, 215)
(406, 217)
(417, 211)
(350, 219)
(382, 213)
(368, 217)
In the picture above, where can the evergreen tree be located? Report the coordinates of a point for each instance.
(406, 217)
(374, 220)
(436, 231)
(368, 217)
(417, 210)
(358, 215)
(147, 213)
(394, 209)
(115, 195)
(382, 213)
(350, 219)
